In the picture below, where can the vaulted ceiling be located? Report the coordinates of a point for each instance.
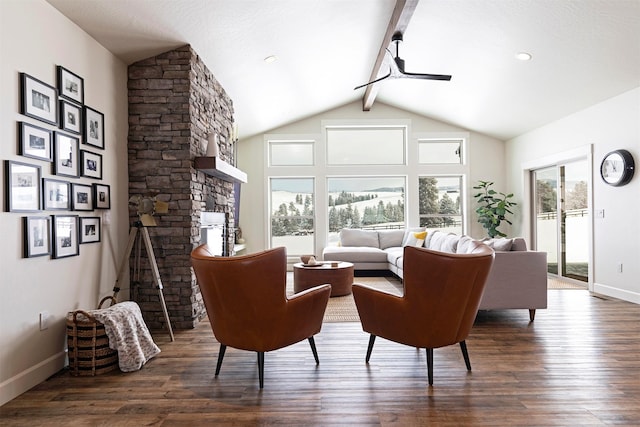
(583, 52)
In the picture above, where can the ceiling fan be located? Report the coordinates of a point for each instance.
(396, 68)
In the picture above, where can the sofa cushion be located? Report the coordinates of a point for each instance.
(415, 238)
(394, 255)
(354, 254)
(390, 238)
(356, 237)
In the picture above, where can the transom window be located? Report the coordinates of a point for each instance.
(440, 151)
(291, 153)
(366, 145)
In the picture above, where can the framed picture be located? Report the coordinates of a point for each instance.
(55, 194)
(65, 236)
(37, 236)
(101, 196)
(70, 85)
(35, 142)
(38, 100)
(23, 192)
(81, 197)
(93, 127)
(90, 164)
(65, 155)
(89, 229)
(70, 117)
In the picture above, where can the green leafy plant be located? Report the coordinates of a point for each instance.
(493, 208)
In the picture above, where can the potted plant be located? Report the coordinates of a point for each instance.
(493, 209)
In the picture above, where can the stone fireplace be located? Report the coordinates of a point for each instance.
(175, 102)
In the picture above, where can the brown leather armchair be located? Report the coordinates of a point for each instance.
(442, 293)
(245, 298)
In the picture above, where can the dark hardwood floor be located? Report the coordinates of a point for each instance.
(578, 364)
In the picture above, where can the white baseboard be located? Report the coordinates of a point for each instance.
(25, 380)
(633, 297)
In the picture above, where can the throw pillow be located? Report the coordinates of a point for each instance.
(416, 238)
(450, 243)
(427, 241)
(408, 234)
(503, 245)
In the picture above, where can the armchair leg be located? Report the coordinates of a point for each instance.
(261, 368)
(430, 365)
(465, 354)
(312, 342)
(532, 314)
(223, 348)
(372, 339)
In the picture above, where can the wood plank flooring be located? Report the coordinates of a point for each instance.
(577, 364)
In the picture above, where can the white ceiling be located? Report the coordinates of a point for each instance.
(583, 52)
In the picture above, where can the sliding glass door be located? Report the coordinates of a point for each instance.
(562, 222)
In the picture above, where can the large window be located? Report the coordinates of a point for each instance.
(365, 202)
(369, 174)
(440, 203)
(366, 146)
(292, 215)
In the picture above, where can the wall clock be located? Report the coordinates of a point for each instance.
(617, 168)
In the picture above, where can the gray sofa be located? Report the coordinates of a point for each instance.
(518, 277)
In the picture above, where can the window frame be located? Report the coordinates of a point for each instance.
(271, 211)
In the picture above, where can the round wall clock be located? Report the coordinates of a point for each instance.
(617, 168)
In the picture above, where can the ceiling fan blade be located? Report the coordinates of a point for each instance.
(445, 77)
(373, 81)
(399, 63)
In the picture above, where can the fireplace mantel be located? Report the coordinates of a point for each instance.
(215, 166)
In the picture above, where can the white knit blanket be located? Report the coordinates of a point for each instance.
(128, 334)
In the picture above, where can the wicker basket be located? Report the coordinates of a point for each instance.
(88, 345)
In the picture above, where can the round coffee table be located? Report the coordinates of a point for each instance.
(340, 278)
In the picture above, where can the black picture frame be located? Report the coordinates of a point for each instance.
(70, 85)
(37, 236)
(81, 197)
(56, 194)
(90, 231)
(93, 128)
(23, 187)
(35, 142)
(90, 164)
(70, 117)
(101, 196)
(65, 155)
(38, 99)
(65, 236)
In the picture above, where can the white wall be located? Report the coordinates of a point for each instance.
(607, 126)
(34, 38)
(485, 158)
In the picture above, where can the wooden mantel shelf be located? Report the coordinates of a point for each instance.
(215, 166)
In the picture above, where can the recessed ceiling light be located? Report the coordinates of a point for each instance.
(271, 58)
(523, 56)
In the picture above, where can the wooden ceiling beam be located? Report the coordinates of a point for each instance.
(400, 18)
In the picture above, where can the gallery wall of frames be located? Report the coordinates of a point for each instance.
(59, 181)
